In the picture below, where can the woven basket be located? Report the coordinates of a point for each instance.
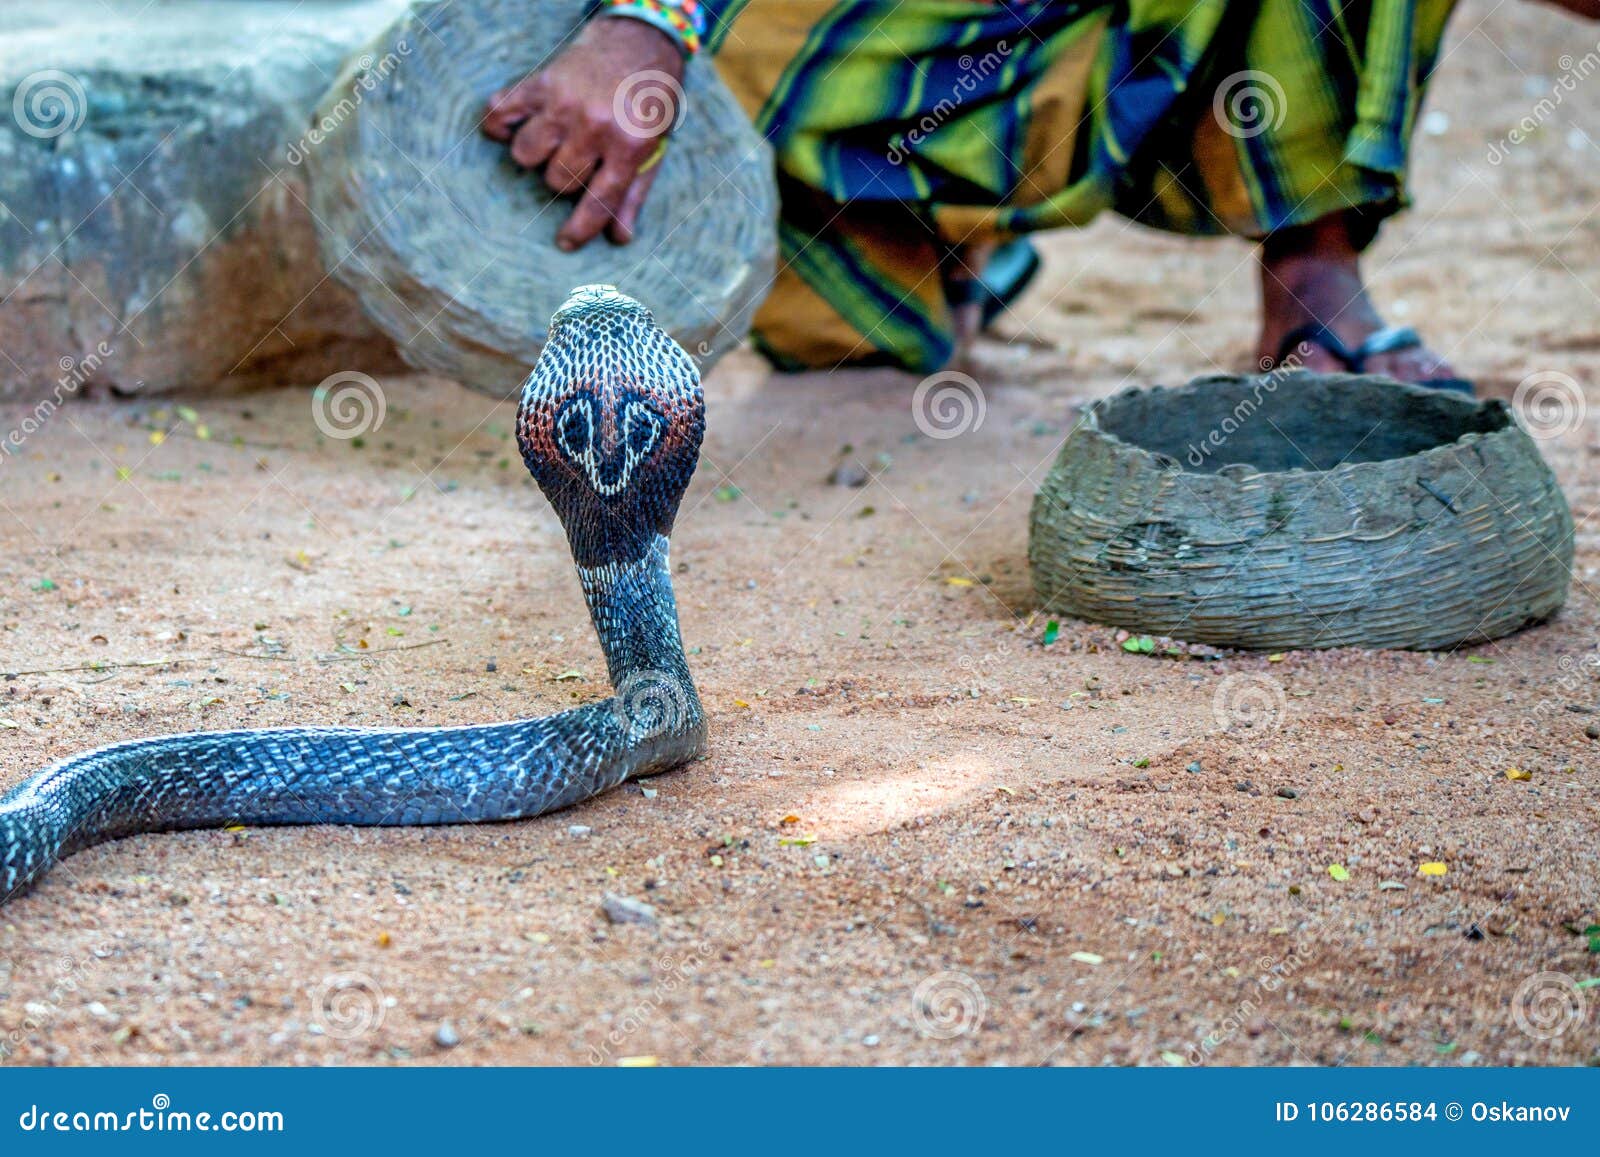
(451, 248)
(1296, 510)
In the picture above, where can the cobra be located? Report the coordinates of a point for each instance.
(610, 426)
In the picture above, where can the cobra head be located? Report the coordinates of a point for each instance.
(610, 425)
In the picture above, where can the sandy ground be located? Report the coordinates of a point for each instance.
(1011, 860)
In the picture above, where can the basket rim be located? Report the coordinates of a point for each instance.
(1089, 424)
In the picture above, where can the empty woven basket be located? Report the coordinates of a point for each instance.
(451, 248)
(1299, 510)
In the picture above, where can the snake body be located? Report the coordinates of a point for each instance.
(610, 425)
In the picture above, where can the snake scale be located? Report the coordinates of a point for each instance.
(610, 424)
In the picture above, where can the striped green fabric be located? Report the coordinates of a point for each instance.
(998, 118)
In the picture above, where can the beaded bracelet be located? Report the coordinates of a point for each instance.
(683, 20)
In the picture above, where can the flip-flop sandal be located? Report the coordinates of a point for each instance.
(1384, 341)
(1010, 269)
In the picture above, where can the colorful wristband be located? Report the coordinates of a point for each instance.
(683, 20)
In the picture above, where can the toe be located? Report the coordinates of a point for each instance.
(1412, 365)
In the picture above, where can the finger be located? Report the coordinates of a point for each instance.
(571, 166)
(597, 208)
(509, 108)
(536, 142)
(625, 226)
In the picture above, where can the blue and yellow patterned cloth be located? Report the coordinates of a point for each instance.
(905, 127)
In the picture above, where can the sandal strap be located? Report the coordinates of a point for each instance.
(1390, 339)
(1010, 268)
(1316, 334)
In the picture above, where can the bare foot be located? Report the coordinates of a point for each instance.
(1313, 274)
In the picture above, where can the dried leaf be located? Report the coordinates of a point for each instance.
(1432, 868)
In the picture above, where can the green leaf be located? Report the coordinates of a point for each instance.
(1143, 645)
(1052, 632)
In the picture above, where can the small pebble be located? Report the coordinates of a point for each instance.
(622, 910)
(1195, 767)
(850, 473)
(1592, 731)
(1288, 793)
(578, 831)
(446, 1036)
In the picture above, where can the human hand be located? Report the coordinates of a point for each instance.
(594, 119)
